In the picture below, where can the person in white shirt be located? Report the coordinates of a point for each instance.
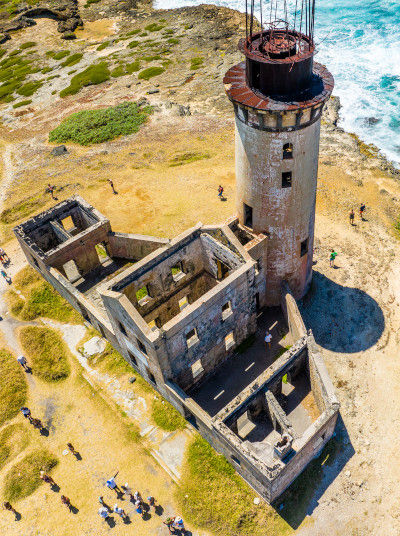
(268, 339)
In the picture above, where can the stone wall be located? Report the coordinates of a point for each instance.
(132, 246)
(292, 314)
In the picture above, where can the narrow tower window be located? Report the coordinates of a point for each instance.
(304, 248)
(286, 179)
(248, 215)
(288, 151)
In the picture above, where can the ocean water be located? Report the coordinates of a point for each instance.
(359, 41)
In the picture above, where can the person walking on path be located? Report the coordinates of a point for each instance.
(47, 478)
(6, 276)
(177, 523)
(351, 217)
(8, 506)
(3, 256)
(26, 412)
(268, 339)
(169, 521)
(362, 210)
(22, 361)
(65, 500)
(220, 191)
(332, 258)
(71, 449)
(112, 186)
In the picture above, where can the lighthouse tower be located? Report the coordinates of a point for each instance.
(278, 94)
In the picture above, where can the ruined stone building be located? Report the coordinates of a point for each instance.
(190, 313)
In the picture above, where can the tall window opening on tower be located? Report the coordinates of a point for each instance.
(248, 215)
(286, 179)
(288, 151)
(304, 248)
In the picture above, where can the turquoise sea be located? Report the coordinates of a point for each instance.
(359, 41)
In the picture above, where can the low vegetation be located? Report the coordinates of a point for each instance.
(154, 27)
(24, 477)
(187, 158)
(9, 8)
(166, 416)
(92, 75)
(214, 497)
(37, 298)
(22, 103)
(46, 352)
(196, 63)
(97, 126)
(22, 209)
(150, 72)
(13, 387)
(72, 60)
(13, 440)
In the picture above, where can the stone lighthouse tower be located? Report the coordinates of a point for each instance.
(278, 94)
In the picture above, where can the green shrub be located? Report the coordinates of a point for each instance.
(13, 387)
(166, 416)
(72, 60)
(95, 74)
(90, 2)
(46, 70)
(173, 40)
(46, 352)
(196, 63)
(22, 103)
(29, 89)
(44, 301)
(60, 54)
(24, 477)
(132, 67)
(148, 73)
(154, 27)
(133, 44)
(133, 32)
(103, 45)
(28, 44)
(187, 158)
(97, 126)
(151, 58)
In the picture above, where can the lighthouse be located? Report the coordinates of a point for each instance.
(278, 93)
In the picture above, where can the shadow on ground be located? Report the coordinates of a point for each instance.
(302, 497)
(342, 319)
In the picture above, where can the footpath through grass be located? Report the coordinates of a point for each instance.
(214, 497)
(41, 300)
(13, 387)
(97, 126)
(15, 487)
(46, 353)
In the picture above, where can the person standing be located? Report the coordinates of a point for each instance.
(351, 217)
(220, 191)
(118, 510)
(113, 485)
(103, 512)
(332, 258)
(112, 186)
(268, 339)
(362, 210)
(127, 491)
(51, 189)
(65, 500)
(169, 522)
(9, 507)
(26, 412)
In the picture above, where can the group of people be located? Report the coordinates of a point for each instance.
(361, 212)
(5, 261)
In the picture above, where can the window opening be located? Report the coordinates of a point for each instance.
(197, 368)
(248, 215)
(191, 337)
(143, 295)
(142, 347)
(226, 310)
(101, 252)
(122, 328)
(229, 340)
(151, 377)
(183, 302)
(222, 270)
(304, 248)
(286, 179)
(68, 223)
(288, 151)
(132, 358)
(177, 271)
(236, 460)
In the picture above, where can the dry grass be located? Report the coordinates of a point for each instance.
(13, 440)
(13, 387)
(46, 352)
(24, 477)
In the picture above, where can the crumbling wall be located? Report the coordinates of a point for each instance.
(292, 314)
(132, 246)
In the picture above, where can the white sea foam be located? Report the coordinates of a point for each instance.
(359, 41)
